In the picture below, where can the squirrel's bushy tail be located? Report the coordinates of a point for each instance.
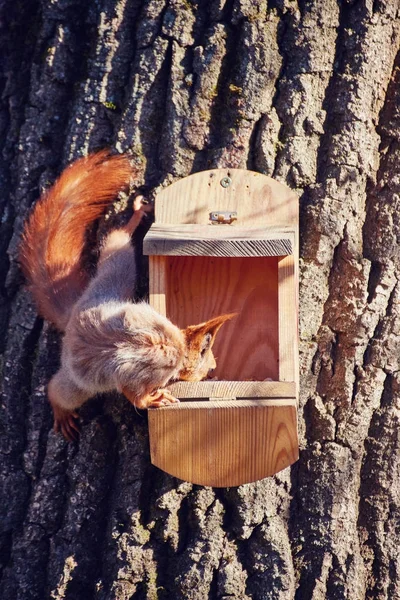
(54, 235)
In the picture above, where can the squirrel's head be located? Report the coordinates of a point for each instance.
(199, 359)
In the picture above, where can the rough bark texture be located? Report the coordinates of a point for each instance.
(309, 93)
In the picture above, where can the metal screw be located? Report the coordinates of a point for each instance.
(225, 182)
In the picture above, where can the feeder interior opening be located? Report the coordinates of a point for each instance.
(201, 287)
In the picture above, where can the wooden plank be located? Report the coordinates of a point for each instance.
(157, 283)
(224, 445)
(199, 288)
(234, 404)
(259, 200)
(288, 320)
(233, 389)
(210, 232)
(216, 240)
(165, 247)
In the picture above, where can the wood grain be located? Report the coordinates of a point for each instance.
(259, 200)
(224, 444)
(288, 320)
(198, 288)
(216, 240)
(233, 389)
(157, 283)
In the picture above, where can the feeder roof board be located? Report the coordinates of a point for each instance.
(217, 240)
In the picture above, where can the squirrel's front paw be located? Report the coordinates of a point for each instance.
(162, 397)
(65, 421)
(139, 204)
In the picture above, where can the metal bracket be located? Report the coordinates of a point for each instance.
(223, 217)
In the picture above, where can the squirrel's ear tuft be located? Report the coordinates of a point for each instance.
(208, 330)
(213, 325)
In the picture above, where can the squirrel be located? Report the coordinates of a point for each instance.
(110, 342)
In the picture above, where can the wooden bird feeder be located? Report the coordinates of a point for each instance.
(226, 241)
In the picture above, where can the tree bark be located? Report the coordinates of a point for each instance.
(307, 92)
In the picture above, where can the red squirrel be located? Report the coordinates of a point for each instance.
(110, 342)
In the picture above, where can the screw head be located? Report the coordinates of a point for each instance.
(226, 182)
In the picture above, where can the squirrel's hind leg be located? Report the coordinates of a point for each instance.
(140, 210)
(65, 396)
(118, 242)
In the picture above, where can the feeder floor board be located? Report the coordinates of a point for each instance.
(233, 389)
(226, 443)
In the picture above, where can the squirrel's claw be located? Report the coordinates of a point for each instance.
(139, 204)
(66, 423)
(162, 397)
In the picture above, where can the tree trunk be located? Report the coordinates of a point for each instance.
(307, 92)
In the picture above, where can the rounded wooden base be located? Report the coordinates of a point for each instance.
(224, 443)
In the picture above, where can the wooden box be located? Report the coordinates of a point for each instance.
(226, 241)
